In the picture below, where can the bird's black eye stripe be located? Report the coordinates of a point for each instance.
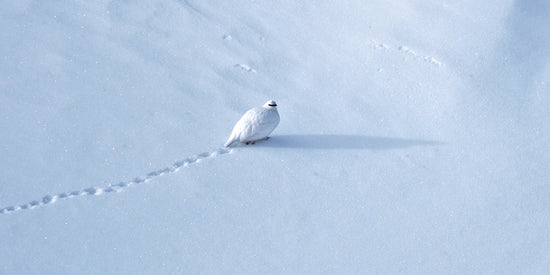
(272, 105)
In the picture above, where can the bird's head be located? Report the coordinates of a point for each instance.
(270, 104)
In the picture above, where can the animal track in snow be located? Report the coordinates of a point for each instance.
(117, 187)
(408, 51)
(425, 58)
(245, 67)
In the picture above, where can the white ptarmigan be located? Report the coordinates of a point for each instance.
(257, 123)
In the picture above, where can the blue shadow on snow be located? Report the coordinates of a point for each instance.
(343, 142)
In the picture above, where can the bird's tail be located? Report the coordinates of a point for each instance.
(229, 143)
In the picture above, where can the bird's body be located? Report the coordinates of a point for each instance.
(256, 124)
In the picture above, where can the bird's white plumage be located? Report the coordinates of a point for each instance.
(257, 123)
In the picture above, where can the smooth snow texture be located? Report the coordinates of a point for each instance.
(413, 137)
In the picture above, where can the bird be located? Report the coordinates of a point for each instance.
(256, 124)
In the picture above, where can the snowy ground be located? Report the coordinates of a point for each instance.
(413, 137)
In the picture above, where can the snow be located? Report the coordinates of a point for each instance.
(413, 137)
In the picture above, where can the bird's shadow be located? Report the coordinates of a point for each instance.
(343, 142)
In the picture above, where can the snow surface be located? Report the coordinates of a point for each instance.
(413, 137)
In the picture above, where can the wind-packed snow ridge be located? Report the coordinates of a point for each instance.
(118, 187)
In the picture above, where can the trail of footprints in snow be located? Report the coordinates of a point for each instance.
(406, 50)
(118, 187)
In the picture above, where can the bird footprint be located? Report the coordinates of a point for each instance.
(117, 187)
